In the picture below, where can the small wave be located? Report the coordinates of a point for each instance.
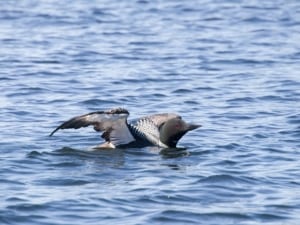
(27, 207)
(230, 146)
(256, 19)
(294, 119)
(243, 61)
(242, 100)
(185, 217)
(183, 91)
(225, 179)
(11, 182)
(46, 62)
(181, 217)
(63, 182)
(67, 151)
(93, 102)
(145, 43)
(268, 217)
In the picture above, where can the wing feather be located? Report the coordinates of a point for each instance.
(149, 126)
(81, 121)
(161, 118)
(113, 124)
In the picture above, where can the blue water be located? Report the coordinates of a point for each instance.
(232, 66)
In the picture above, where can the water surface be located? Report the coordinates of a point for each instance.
(231, 66)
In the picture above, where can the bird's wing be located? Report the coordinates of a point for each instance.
(149, 126)
(161, 118)
(113, 124)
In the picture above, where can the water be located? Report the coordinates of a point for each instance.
(231, 66)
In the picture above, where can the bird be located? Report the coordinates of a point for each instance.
(163, 129)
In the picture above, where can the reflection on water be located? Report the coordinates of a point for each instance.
(174, 152)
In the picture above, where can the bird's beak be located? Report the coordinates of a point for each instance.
(193, 127)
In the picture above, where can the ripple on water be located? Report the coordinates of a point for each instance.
(227, 179)
(191, 217)
(62, 182)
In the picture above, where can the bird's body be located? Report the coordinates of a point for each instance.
(163, 130)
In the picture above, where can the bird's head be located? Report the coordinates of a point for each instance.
(172, 130)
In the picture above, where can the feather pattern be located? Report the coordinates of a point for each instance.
(148, 127)
(161, 118)
(148, 130)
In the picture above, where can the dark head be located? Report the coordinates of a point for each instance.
(172, 130)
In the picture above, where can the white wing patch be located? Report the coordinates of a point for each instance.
(120, 134)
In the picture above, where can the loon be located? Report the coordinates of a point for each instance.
(162, 130)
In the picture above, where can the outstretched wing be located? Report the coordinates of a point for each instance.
(113, 124)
